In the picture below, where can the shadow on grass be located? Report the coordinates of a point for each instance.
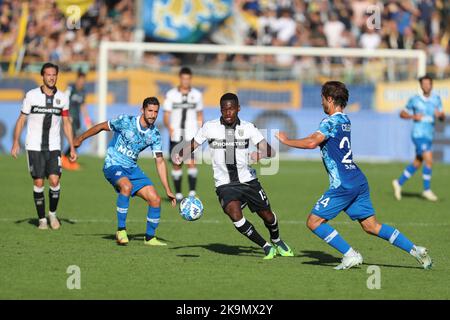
(324, 259)
(320, 258)
(227, 249)
(139, 236)
(35, 222)
(412, 195)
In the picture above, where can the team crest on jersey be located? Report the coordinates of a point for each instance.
(241, 132)
(58, 101)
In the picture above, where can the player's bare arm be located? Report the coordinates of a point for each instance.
(199, 118)
(265, 151)
(67, 125)
(20, 123)
(162, 172)
(405, 115)
(439, 115)
(166, 120)
(310, 142)
(103, 126)
(184, 153)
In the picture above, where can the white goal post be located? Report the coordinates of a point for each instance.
(138, 47)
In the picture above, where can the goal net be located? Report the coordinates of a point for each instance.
(278, 87)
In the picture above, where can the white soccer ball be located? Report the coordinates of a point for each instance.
(191, 208)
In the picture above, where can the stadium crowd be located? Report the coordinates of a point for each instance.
(401, 24)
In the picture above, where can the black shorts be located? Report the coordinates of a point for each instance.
(250, 193)
(41, 164)
(172, 146)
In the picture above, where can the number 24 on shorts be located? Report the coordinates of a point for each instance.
(323, 202)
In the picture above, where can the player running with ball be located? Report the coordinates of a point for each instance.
(133, 134)
(236, 182)
(349, 189)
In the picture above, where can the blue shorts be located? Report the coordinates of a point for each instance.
(422, 145)
(355, 202)
(136, 176)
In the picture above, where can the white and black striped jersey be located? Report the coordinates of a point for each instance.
(44, 119)
(183, 110)
(229, 148)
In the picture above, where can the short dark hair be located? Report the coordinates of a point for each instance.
(337, 91)
(48, 65)
(80, 73)
(229, 97)
(425, 77)
(185, 70)
(150, 100)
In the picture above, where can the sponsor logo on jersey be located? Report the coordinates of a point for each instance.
(223, 144)
(127, 152)
(46, 110)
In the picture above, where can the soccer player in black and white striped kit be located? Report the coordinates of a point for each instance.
(43, 109)
(236, 182)
(183, 115)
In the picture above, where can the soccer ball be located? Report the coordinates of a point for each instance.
(191, 208)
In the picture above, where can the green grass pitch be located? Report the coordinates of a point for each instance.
(209, 259)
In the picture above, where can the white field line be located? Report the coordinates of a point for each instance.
(212, 221)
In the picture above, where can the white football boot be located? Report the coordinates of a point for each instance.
(43, 225)
(421, 254)
(397, 189)
(350, 261)
(429, 195)
(54, 222)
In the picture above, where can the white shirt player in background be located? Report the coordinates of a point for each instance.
(236, 183)
(183, 115)
(44, 108)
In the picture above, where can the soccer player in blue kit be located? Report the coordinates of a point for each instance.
(349, 190)
(133, 134)
(423, 109)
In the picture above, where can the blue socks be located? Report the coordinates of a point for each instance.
(426, 175)
(407, 173)
(153, 215)
(332, 237)
(395, 237)
(122, 210)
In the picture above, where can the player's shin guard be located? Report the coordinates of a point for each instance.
(192, 176)
(426, 175)
(153, 215)
(176, 176)
(122, 210)
(53, 194)
(332, 237)
(39, 201)
(395, 237)
(407, 173)
(248, 230)
(273, 229)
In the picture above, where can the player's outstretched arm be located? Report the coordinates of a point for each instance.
(265, 151)
(67, 126)
(20, 123)
(406, 115)
(310, 142)
(102, 126)
(162, 172)
(185, 153)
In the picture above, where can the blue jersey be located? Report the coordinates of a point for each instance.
(129, 140)
(337, 154)
(426, 106)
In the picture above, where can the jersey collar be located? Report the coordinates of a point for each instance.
(138, 125)
(42, 89)
(233, 126)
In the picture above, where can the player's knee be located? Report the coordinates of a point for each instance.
(125, 189)
(154, 201)
(39, 183)
(370, 228)
(53, 182)
(312, 224)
